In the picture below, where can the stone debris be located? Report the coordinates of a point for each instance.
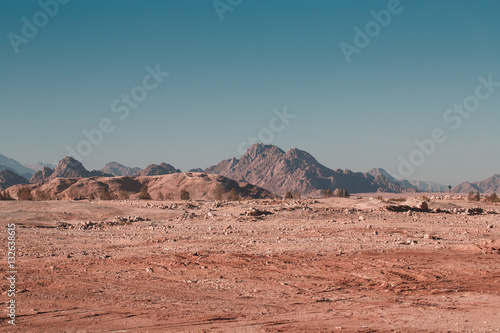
(123, 219)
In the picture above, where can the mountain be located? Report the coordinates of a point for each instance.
(156, 170)
(199, 186)
(381, 172)
(416, 185)
(196, 170)
(9, 163)
(39, 166)
(277, 171)
(68, 167)
(9, 178)
(117, 169)
(487, 185)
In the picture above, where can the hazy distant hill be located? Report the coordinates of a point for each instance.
(68, 167)
(156, 170)
(271, 168)
(487, 185)
(39, 166)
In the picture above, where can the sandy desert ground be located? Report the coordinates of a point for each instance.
(327, 265)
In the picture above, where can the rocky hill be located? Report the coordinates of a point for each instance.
(68, 167)
(156, 170)
(117, 169)
(10, 178)
(199, 186)
(271, 168)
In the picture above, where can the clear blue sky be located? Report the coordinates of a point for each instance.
(226, 77)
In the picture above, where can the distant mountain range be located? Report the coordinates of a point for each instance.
(488, 185)
(9, 178)
(265, 166)
(417, 185)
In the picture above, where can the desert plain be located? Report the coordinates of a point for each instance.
(270, 265)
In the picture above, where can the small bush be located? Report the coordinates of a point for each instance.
(297, 195)
(144, 193)
(160, 197)
(184, 195)
(5, 196)
(168, 196)
(400, 199)
(426, 198)
(24, 193)
(289, 195)
(379, 197)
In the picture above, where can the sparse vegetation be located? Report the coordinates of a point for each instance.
(289, 195)
(379, 197)
(474, 196)
(144, 193)
(426, 198)
(105, 195)
(24, 193)
(341, 193)
(160, 197)
(122, 195)
(184, 195)
(5, 196)
(297, 195)
(493, 197)
(327, 193)
(217, 192)
(233, 196)
(41, 195)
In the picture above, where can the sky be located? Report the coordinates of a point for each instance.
(190, 83)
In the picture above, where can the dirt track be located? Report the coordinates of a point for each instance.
(337, 265)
